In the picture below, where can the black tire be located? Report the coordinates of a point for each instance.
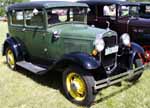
(137, 63)
(87, 95)
(10, 58)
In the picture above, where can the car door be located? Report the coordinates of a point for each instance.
(35, 32)
(106, 16)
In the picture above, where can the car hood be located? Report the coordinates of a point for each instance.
(140, 22)
(77, 30)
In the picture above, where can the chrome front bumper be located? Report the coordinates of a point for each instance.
(117, 78)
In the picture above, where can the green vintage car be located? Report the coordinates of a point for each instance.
(44, 36)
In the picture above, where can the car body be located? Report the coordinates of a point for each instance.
(144, 14)
(45, 36)
(123, 17)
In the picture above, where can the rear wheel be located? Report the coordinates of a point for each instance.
(136, 63)
(10, 58)
(78, 86)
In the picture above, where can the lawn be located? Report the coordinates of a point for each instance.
(22, 89)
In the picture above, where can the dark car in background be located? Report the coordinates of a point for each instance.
(123, 17)
(144, 16)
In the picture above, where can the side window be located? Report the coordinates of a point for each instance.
(124, 11)
(147, 9)
(17, 17)
(57, 16)
(34, 18)
(133, 11)
(109, 10)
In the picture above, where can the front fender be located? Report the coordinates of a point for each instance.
(136, 50)
(84, 60)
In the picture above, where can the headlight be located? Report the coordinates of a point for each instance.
(125, 38)
(99, 44)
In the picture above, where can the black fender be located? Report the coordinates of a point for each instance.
(15, 46)
(82, 59)
(136, 49)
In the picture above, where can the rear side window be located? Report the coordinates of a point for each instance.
(109, 10)
(34, 19)
(17, 17)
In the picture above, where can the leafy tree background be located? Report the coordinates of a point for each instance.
(5, 3)
(139, 0)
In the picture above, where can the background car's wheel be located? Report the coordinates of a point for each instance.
(78, 86)
(10, 58)
(136, 63)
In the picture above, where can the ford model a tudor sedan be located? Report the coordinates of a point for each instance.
(122, 17)
(54, 35)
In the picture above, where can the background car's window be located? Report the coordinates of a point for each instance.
(66, 15)
(109, 10)
(17, 17)
(145, 11)
(33, 19)
(129, 11)
(124, 11)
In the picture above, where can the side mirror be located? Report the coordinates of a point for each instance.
(55, 36)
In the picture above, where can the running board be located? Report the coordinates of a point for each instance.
(31, 67)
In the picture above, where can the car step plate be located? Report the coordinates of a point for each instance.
(31, 67)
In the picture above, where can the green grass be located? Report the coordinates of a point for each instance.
(21, 89)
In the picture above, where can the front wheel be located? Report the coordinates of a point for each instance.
(10, 58)
(78, 86)
(136, 63)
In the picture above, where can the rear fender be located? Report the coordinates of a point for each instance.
(15, 46)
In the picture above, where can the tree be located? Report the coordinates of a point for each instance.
(138, 0)
(5, 3)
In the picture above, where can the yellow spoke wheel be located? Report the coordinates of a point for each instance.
(76, 86)
(10, 58)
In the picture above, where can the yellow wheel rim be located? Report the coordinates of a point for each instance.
(10, 58)
(76, 86)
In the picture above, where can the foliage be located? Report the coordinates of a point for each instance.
(138, 0)
(5, 3)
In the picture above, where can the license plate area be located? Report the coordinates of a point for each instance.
(111, 50)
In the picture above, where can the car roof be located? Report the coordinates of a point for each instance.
(144, 3)
(44, 4)
(107, 2)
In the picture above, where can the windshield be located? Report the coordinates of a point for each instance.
(60, 15)
(145, 11)
(130, 11)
